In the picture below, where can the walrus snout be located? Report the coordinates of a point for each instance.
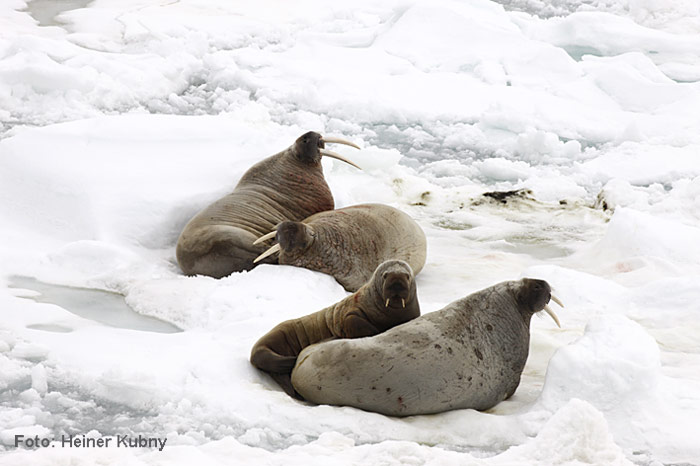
(311, 146)
(396, 282)
(393, 281)
(396, 288)
(293, 236)
(535, 295)
(307, 146)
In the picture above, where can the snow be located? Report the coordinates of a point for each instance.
(119, 120)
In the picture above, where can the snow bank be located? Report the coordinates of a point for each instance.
(577, 433)
(616, 368)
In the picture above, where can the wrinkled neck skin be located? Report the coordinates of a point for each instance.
(288, 189)
(333, 251)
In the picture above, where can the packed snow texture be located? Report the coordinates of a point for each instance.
(119, 120)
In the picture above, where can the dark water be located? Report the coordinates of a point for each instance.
(97, 305)
(46, 11)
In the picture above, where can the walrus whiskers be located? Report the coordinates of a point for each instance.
(269, 252)
(335, 155)
(265, 237)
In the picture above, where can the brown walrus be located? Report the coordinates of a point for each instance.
(286, 186)
(350, 243)
(388, 299)
(469, 354)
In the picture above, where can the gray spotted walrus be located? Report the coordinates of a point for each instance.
(286, 186)
(386, 300)
(469, 354)
(350, 243)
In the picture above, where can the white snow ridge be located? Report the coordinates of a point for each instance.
(119, 120)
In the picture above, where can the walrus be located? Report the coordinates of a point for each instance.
(349, 243)
(470, 354)
(387, 299)
(286, 186)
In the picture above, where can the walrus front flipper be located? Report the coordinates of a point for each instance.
(357, 326)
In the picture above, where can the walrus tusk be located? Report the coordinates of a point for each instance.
(556, 300)
(334, 155)
(269, 252)
(551, 313)
(403, 302)
(265, 237)
(340, 141)
(387, 302)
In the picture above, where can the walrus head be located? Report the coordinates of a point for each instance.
(292, 238)
(311, 146)
(533, 295)
(393, 281)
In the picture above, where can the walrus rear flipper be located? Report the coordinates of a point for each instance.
(217, 251)
(268, 360)
(285, 381)
(279, 367)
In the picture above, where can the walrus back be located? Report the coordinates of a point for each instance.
(353, 241)
(375, 373)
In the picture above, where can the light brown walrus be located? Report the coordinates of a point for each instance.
(350, 243)
(470, 354)
(388, 299)
(286, 186)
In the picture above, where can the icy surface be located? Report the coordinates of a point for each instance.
(101, 306)
(119, 120)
